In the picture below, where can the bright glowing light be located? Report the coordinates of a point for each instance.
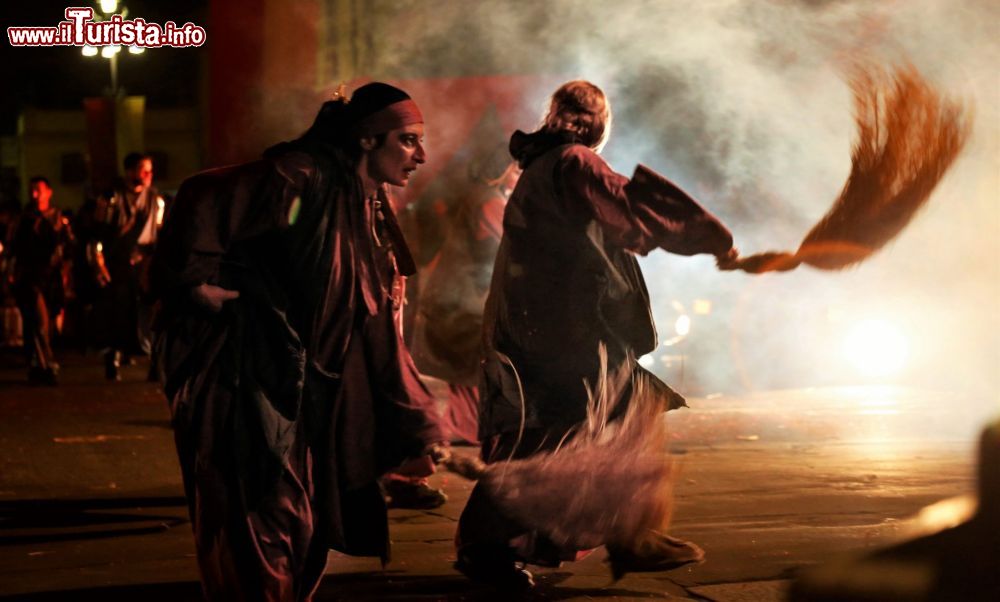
(879, 412)
(136, 49)
(109, 6)
(646, 361)
(682, 326)
(90, 51)
(109, 51)
(702, 307)
(946, 513)
(876, 348)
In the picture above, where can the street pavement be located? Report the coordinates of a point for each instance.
(769, 483)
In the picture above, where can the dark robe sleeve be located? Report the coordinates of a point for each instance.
(219, 208)
(641, 214)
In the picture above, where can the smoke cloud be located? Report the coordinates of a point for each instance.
(746, 105)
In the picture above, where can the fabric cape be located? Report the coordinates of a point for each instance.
(566, 280)
(293, 235)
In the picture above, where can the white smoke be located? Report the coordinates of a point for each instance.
(746, 105)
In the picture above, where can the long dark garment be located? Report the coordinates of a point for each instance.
(566, 282)
(291, 402)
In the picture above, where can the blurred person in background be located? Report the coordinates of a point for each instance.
(10, 209)
(448, 326)
(40, 249)
(129, 220)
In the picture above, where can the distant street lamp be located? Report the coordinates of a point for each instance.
(109, 8)
(114, 122)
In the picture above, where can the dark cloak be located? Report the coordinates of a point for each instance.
(294, 236)
(566, 280)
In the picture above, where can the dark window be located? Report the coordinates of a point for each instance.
(73, 169)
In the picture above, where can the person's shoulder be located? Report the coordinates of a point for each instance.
(298, 164)
(578, 155)
(217, 179)
(575, 150)
(206, 176)
(291, 159)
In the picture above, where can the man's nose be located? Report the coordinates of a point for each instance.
(421, 155)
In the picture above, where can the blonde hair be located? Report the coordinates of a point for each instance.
(580, 108)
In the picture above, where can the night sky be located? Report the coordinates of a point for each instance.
(59, 78)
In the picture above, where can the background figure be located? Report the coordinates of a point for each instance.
(447, 335)
(565, 284)
(40, 250)
(88, 276)
(11, 335)
(290, 388)
(129, 218)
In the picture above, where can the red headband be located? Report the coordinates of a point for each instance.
(396, 115)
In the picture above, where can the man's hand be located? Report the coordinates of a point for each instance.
(212, 297)
(102, 275)
(729, 261)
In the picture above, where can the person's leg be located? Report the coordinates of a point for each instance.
(267, 550)
(29, 319)
(267, 553)
(144, 327)
(402, 403)
(282, 529)
(38, 350)
(122, 325)
(112, 364)
(484, 541)
(47, 359)
(483, 544)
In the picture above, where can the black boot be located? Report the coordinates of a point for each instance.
(51, 376)
(494, 566)
(659, 552)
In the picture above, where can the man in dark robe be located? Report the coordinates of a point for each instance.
(290, 387)
(565, 283)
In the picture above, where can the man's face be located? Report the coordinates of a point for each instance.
(140, 177)
(398, 157)
(41, 194)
